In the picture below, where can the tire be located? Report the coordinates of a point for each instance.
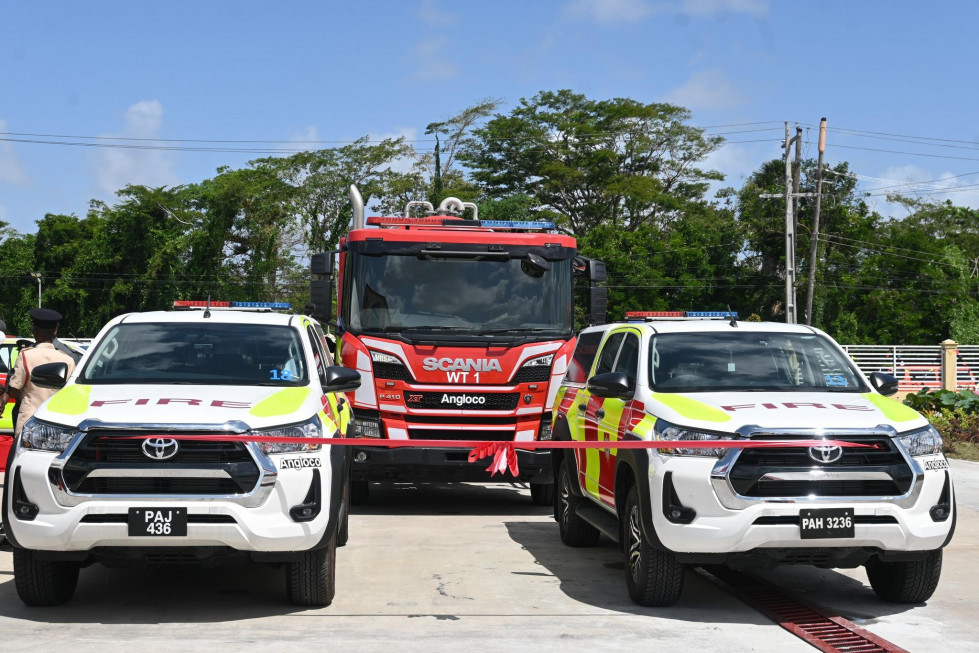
(343, 531)
(905, 582)
(542, 494)
(574, 530)
(360, 491)
(311, 581)
(653, 576)
(43, 582)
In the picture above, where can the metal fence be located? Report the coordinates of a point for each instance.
(917, 367)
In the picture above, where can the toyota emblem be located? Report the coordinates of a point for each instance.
(826, 454)
(160, 448)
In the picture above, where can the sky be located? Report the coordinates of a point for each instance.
(180, 84)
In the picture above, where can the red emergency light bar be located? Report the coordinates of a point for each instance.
(192, 303)
(436, 221)
(655, 314)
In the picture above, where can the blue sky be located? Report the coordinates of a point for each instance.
(335, 71)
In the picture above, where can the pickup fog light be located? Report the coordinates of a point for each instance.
(308, 429)
(666, 431)
(923, 442)
(45, 437)
(360, 427)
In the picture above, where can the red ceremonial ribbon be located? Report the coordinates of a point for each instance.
(504, 452)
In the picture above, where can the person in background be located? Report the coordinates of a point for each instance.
(29, 396)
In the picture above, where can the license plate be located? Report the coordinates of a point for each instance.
(826, 522)
(157, 522)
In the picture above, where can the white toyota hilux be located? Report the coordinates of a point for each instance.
(154, 453)
(877, 493)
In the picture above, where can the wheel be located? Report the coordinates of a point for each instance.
(43, 582)
(343, 531)
(905, 582)
(542, 494)
(653, 576)
(311, 581)
(574, 530)
(360, 491)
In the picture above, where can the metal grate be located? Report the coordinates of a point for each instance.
(917, 366)
(462, 400)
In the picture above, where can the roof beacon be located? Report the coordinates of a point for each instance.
(650, 316)
(261, 307)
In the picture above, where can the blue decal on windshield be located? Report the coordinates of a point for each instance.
(835, 380)
(284, 375)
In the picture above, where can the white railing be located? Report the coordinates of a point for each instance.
(917, 367)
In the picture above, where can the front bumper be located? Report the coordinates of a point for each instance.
(422, 464)
(721, 526)
(88, 522)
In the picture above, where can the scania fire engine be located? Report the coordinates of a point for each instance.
(462, 330)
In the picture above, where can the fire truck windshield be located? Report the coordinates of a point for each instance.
(394, 293)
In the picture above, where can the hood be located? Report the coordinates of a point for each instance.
(257, 406)
(729, 411)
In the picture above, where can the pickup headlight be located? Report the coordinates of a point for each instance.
(309, 429)
(45, 437)
(923, 442)
(666, 431)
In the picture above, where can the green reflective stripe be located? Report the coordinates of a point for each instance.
(644, 429)
(72, 400)
(892, 410)
(329, 426)
(691, 408)
(613, 417)
(593, 463)
(283, 402)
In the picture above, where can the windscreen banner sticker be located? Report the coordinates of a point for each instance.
(835, 380)
(299, 463)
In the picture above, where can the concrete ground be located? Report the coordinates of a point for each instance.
(457, 567)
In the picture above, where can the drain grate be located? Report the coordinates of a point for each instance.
(827, 633)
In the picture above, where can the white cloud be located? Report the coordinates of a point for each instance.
(307, 138)
(410, 134)
(11, 170)
(708, 89)
(434, 16)
(610, 12)
(715, 8)
(432, 61)
(916, 182)
(115, 168)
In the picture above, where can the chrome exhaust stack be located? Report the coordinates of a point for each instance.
(357, 202)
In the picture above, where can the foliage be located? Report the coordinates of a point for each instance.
(933, 401)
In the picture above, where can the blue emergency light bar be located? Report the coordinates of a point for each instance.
(275, 306)
(539, 225)
(231, 306)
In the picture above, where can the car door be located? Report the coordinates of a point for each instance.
(611, 418)
(590, 460)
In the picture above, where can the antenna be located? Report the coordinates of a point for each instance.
(207, 309)
(734, 320)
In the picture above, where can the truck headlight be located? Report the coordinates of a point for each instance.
(45, 437)
(923, 442)
(666, 431)
(309, 429)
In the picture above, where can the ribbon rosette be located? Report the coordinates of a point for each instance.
(504, 457)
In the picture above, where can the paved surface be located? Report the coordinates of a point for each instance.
(477, 567)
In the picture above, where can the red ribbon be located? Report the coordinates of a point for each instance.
(504, 452)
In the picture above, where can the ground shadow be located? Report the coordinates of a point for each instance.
(504, 499)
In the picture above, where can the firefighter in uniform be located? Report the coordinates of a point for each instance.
(45, 328)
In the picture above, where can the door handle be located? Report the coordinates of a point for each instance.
(582, 407)
(600, 413)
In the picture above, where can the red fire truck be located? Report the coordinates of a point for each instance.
(461, 329)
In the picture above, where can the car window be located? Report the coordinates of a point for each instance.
(749, 361)
(611, 349)
(195, 353)
(628, 360)
(584, 356)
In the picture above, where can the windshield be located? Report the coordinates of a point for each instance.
(207, 354)
(747, 362)
(405, 292)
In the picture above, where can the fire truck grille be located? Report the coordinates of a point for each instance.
(392, 371)
(462, 400)
(456, 434)
(536, 374)
(115, 464)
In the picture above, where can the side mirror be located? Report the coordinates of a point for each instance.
(340, 379)
(50, 375)
(610, 384)
(884, 383)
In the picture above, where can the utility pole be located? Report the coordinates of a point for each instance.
(797, 176)
(813, 250)
(790, 196)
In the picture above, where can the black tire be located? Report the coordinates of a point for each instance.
(574, 530)
(343, 532)
(311, 581)
(43, 582)
(542, 494)
(905, 582)
(653, 576)
(360, 491)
